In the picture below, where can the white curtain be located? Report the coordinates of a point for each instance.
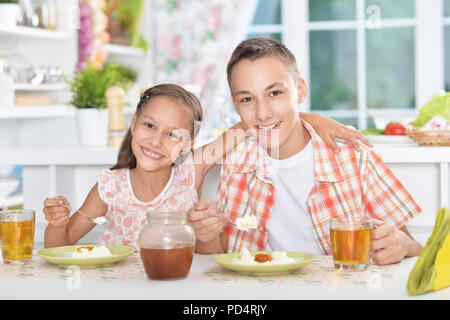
(193, 42)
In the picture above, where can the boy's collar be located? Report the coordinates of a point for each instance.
(326, 167)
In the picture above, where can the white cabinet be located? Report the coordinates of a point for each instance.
(54, 125)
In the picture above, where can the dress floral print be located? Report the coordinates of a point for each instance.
(127, 215)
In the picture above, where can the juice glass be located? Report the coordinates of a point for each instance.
(17, 235)
(351, 240)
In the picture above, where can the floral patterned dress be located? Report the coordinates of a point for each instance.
(127, 215)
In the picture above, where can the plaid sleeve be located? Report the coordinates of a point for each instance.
(386, 197)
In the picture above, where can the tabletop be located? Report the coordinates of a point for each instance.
(126, 280)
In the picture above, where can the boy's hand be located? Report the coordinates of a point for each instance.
(203, 219)
(55, 214)
(390, 244)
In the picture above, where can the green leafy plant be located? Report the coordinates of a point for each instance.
(9, 1)
(88, 86)
(127, 72)
(439, 104)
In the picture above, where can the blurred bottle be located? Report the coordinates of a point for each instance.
(116, 123)
(42, 9)
(52, 16)
(39, 13)
(27, 11)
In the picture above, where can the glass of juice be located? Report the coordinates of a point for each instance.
(17, 235)
(351, 241)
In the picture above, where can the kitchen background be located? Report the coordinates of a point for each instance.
(366, 62)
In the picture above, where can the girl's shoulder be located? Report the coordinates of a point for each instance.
(108, 175)
(113, 184)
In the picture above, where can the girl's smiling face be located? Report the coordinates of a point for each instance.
(160, 133)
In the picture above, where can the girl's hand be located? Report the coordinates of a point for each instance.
(329, 129)
(55, 214)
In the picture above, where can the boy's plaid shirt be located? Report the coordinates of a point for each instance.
(349, 183)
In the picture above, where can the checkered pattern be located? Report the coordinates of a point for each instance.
(350, 183)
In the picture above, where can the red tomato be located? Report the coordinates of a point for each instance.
(395, 129)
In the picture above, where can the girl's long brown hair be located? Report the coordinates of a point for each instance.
(126, 158)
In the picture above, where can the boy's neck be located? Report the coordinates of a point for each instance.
(296, 142)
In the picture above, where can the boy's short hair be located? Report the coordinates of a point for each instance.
(258, 47)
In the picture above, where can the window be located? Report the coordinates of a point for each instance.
(363, 58)
(267, 20)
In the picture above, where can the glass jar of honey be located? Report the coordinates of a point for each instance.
(166, 245)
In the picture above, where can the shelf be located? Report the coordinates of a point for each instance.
(13, 32)
(116, 49)
(40, 87)
(51, 111)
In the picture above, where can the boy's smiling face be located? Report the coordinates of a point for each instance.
(266, 96)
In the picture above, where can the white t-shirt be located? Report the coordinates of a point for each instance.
(289, 226)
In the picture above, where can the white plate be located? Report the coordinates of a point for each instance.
(226, 261)
(397, 140)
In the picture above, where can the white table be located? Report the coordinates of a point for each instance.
(374, 287)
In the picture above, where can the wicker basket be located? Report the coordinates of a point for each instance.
(430, 137)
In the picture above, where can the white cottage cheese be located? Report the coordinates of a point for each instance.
(279, 257)
(91, 252)
(246, 223)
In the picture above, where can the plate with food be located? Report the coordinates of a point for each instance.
(86, 255)
(264, 262)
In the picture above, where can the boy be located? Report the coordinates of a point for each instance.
(289, 178)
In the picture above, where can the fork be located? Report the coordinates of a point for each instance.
(83, 214)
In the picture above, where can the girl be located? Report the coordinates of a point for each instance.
(155, 169)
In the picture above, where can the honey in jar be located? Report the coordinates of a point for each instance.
(167, 246)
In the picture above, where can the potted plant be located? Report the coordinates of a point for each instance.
(9, 12)
(88, 87)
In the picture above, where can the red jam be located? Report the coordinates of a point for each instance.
(263, 257)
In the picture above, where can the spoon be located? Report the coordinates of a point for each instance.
(98, 220)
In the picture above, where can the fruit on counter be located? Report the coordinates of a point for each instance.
(392, 128)
(432, 269)
(395, 129)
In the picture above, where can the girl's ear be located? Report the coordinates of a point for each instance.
(302, 90)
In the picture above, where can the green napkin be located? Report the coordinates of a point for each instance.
(432, 269)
